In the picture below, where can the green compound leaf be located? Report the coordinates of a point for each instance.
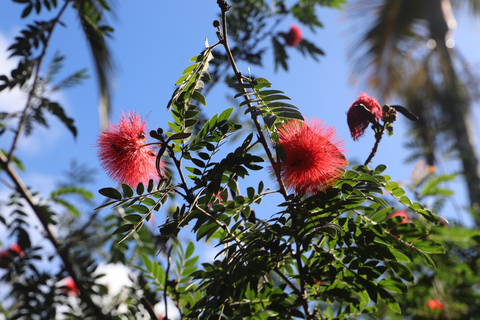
(267, 103)
(111, 193)
(124, 228)
(127, 190)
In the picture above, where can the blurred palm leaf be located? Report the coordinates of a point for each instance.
(91, 13)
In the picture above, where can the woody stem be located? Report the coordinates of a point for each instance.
(261, 137)
(378, 137)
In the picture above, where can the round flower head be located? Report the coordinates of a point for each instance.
(314, 156)
(294, 36)
(357, 122)
(123, 153)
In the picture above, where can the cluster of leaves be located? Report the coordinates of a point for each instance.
(334, 255)
(458, 295)
(31, 47)
(335, 252)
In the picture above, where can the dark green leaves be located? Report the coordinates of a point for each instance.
(111, 193)
(267, 103)
(192, 81)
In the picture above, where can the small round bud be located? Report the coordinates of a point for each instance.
(216, 23)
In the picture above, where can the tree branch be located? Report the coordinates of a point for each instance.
(41, 215)
(224, 40)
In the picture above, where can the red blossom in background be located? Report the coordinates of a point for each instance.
(357, 122)
(123, 154)
(434, 305)
(294, 36)
(70, 287)
(314, 156)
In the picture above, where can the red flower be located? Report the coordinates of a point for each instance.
(314, 156)
(123, 153)
(357, 122)
(70, 287)
(294, 36)
(434, 305)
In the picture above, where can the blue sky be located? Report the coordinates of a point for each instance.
(153, 42)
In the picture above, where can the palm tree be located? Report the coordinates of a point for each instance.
(408, 51)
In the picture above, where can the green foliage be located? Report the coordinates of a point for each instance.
(267, 103)
(337, 254)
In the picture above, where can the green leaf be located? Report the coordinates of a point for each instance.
(28, 9)
(124, 228)
(379, 169)
(58, 111)
(148, 202)
(140, 188)
(147, 262)
(189, 250)
(400, 257)
(198, 163)
(140, 208)
(225, 115)
(405, 200)
(390, 301)
(111, 193)
(197, 96)
(132, 217)
(431, 247)
(402, 270)
(397, 192)
(127, 190)
(391, 185)
(393, 284)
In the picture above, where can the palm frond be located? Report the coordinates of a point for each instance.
(392, 28)
(90, 13)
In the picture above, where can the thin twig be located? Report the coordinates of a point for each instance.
(378, 137)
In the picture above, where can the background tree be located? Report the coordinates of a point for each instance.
(408, 50)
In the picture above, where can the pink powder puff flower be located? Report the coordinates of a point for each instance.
(357, 122)
(294, 36)
(123, 153)
(314, 156)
